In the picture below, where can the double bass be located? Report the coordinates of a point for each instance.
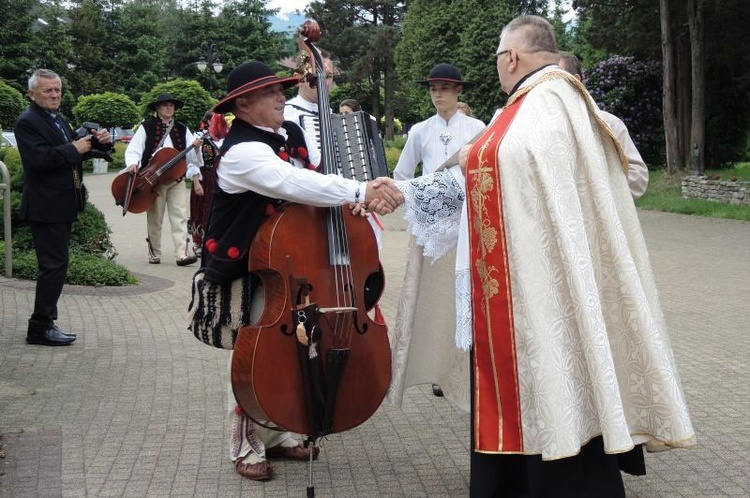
(315, 363)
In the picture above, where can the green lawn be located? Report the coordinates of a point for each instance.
(664, 194)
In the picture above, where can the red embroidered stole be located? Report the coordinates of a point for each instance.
(497, 409)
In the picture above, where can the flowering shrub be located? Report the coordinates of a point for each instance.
(632, 90)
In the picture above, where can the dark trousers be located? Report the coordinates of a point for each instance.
(591, 473)
(51, 242)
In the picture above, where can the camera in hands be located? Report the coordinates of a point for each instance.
(98, 150)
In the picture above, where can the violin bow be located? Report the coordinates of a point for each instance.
(128, 192)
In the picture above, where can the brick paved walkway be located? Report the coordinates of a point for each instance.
(136, 407)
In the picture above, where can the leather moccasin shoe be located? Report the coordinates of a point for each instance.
(189, 260)
(293, 452)
(260, 471)
(50, 336)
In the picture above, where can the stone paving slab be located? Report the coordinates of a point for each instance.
(137, 406)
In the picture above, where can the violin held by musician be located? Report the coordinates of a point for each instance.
(165, 150)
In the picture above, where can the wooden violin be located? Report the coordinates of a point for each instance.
(136, 192)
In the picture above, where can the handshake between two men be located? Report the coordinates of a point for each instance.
(382, 196)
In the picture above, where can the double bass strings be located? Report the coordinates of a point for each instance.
(338, 239)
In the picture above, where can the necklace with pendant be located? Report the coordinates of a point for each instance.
(445, 138)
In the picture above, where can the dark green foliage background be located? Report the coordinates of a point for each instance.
(12, 104)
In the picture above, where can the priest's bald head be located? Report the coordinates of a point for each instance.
(526, 44)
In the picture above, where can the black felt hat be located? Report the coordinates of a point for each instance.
(165, 97)
(248, 77)
(446, 72)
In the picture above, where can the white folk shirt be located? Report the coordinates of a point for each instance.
(434, 140)
(255, 166)
(637, 170)
(296, 108)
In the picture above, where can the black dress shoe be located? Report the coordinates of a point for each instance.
(437, 390)
(50, 336)
(69, 334)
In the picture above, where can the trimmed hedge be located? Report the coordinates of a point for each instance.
(83, 269)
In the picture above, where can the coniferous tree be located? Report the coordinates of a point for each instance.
(362, 36)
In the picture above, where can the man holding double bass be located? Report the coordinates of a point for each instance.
(155, 133)
(264, 161)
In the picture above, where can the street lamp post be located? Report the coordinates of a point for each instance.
(209, 59)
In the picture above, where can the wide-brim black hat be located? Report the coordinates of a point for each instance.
(248, 77)
(165, 97)
(449, 73)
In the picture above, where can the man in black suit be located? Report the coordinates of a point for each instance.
(50, 159)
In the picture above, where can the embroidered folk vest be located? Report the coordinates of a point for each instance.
(235, 218)
(154, 131)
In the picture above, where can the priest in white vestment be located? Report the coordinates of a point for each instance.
(571, 366)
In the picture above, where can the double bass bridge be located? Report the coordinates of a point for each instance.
(338, 309)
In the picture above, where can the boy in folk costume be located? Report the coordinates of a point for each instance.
(435, 139)
(422, 343)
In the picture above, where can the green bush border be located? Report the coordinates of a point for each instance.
(83, 269)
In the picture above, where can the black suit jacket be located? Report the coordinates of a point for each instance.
(48, 160)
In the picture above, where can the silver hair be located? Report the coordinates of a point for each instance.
(538, 33)
(41, 73)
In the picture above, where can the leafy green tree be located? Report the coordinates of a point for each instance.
(15, 40)
(195, 98)
(362, 35)
(431, 34)
(464, 33)
(633, 27)
(32, 35)
(89, 36)
(12, 104)
(198, 23)
(107, 109)
(728, 89)
(244, 34)
(479, 41)
(612, 27)
(130, 59)
(129, 47)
